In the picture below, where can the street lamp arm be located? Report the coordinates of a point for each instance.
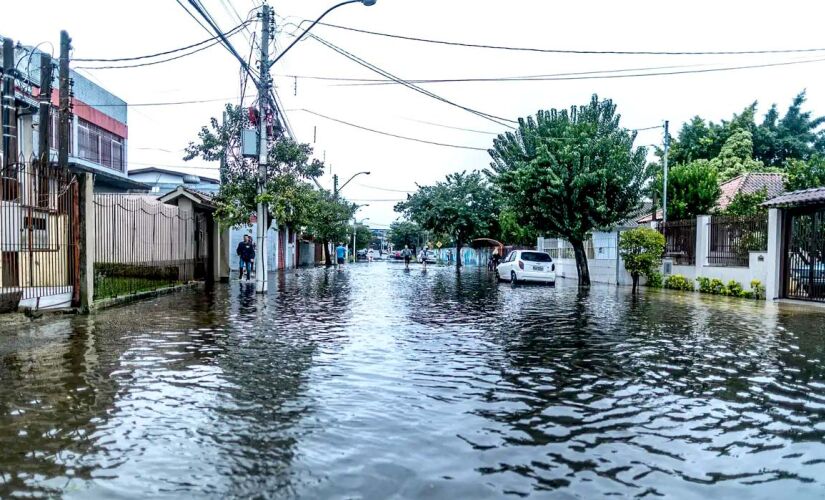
(356, 175)
(299, 37)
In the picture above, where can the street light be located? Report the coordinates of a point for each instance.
(355, 230)
(368, 3)
(336, 189)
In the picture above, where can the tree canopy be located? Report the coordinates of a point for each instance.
(404, 232)
(776, 139)
(568, 172)
(693, 189)
(804, 174)
(463, 206)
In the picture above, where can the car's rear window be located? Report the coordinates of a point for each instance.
(535, 257)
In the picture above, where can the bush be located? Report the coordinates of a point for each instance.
(654, 279)
(757, 289)
(704, 284)
(678, 282)
(734, 289)
(717, 287)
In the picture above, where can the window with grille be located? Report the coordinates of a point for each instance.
(99, 146)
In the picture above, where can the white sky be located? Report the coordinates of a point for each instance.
(157, 135)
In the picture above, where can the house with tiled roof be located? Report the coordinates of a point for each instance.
(749, 183)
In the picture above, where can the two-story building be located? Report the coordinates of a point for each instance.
(99, 131)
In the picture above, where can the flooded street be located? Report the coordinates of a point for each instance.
(371, 383)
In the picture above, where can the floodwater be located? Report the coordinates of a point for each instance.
(373, 382)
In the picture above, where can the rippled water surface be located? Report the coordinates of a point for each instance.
(372, 382)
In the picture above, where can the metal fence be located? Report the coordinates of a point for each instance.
(39, 233)
(142, 244)
(680, 241)
(731, 239)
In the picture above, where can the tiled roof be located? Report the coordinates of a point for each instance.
(814, 196)
(633, 220)
(749, 183)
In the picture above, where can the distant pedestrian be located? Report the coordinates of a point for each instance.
(422, 258)
(407, 255)
(246, 252)
(369, 255)
(449, 256)
(341, 253)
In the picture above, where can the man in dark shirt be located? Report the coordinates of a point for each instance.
(246, 252)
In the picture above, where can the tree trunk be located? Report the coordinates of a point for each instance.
(327, 256)
(458, 245)
(581, 263)
(635, 277)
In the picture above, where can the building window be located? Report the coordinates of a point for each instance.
(156, 189)
(99, 146)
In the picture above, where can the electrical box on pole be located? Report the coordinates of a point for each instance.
(249, 143)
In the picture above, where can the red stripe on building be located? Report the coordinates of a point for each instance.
(90, 114)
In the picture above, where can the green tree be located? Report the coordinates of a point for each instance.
(641, 249)
(463, 206)
(692, 190)
(570, 172)
(804, 174)
(363, 237)
(777, 139)
(328, 219)
(291, 166)
(404, 232)
(736, 156)
(510, 231)
(747, 204)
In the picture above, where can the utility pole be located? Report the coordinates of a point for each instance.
(65, 116)
(335, 186)
(9, 108)
(44, 128)
(664, 164)
(261, 284)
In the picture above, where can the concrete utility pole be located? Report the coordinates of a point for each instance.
(44, 128)
(9, 108)
(65, 117)
(261, 284)
(664, 164)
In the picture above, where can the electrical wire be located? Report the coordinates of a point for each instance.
(158, 54)
(152, 63)
(151, 104)
(413, 139)
(384, 189)
(575, 51)
(493, 118)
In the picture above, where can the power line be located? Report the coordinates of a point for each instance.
(493, 118)
(384, 189)
(413, 139)
(152, 63)
(576, 51)
(149, 104)
(158, 54)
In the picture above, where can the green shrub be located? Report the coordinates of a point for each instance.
(678, 282)
(704, 284)
(757, 289)
(717, 287)
(734, 289)
(654, 279)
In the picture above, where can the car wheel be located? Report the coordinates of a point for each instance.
(513, 278)
(498, 276)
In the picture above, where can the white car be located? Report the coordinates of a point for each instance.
(527, 265)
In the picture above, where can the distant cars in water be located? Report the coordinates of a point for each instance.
(527, 265)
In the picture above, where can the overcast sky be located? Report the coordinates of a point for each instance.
(157, 135)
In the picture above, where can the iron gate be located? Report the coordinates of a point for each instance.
(39, 233)
(804, 269)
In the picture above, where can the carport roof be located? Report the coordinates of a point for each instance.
(804, 197)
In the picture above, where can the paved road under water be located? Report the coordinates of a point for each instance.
(372, 382)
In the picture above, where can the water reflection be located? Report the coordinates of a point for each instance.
(371, 382)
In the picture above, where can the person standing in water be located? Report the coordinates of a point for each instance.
(246, 253)
(422, 257)
(407, 255)
(341, 254)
